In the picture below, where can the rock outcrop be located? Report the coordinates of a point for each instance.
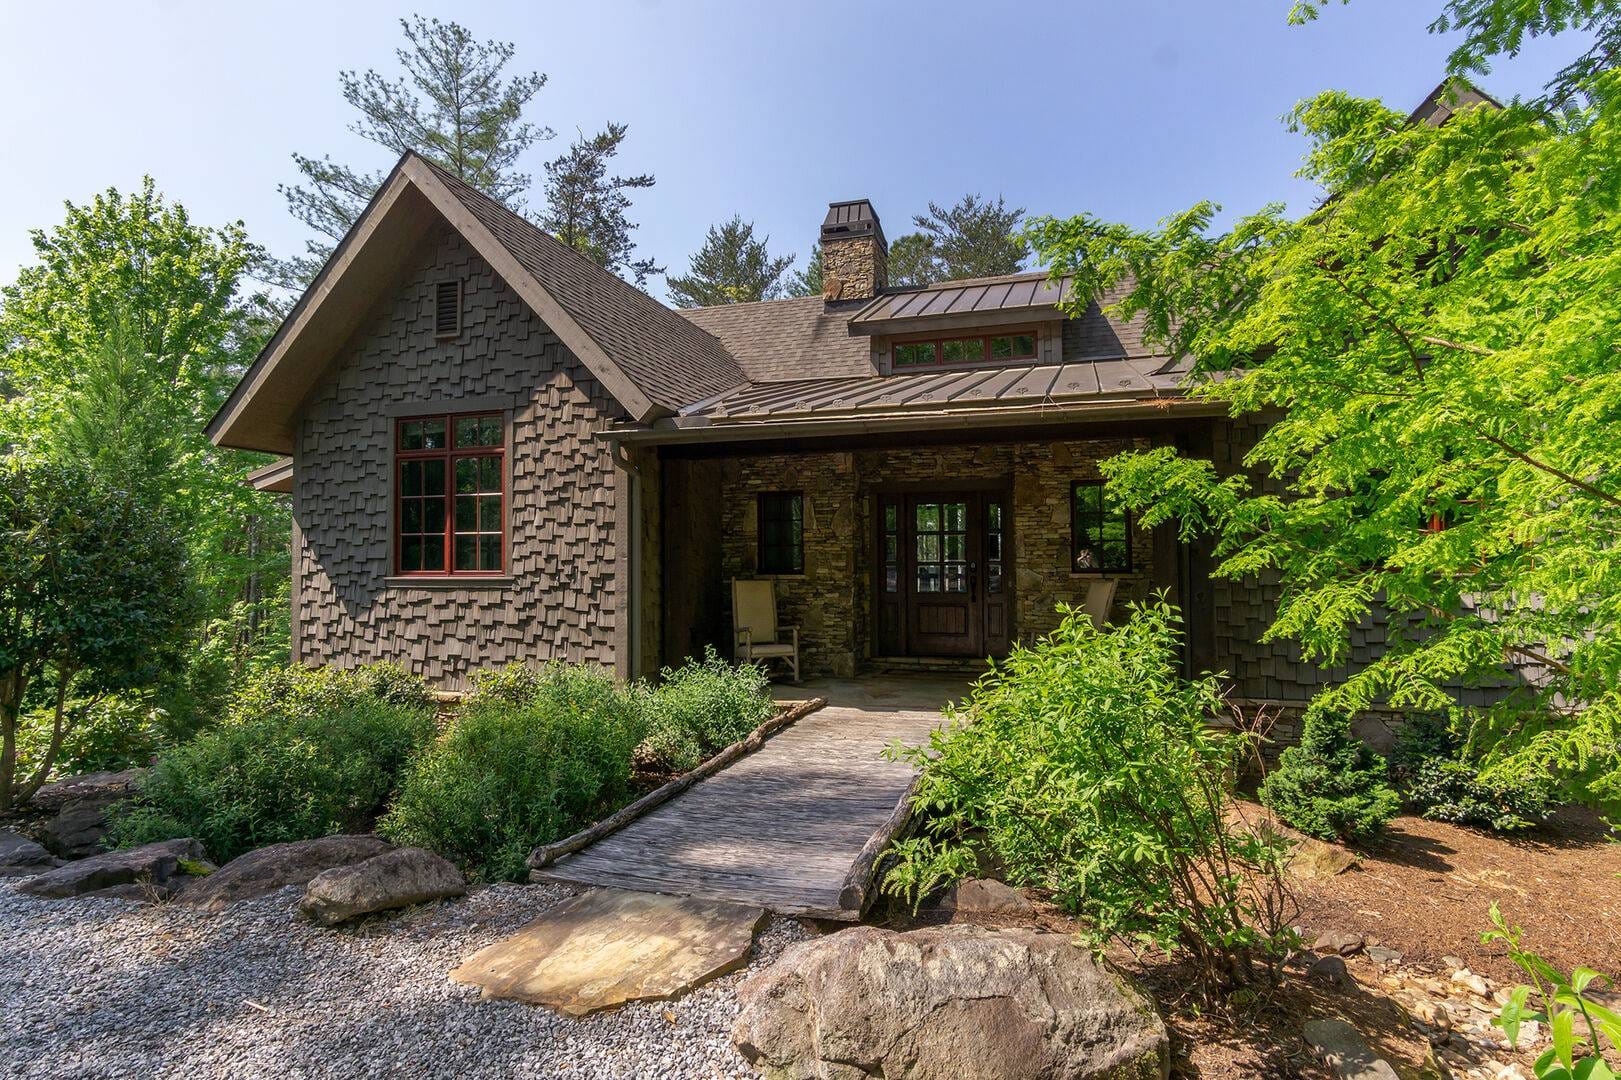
(945, 1003)
(261, 872)
(395, 879)
(151, 871)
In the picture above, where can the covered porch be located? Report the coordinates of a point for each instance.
(907, 552)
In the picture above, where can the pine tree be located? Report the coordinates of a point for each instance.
(732, 267)
(453, 105)
(585, 206)
(808, 282)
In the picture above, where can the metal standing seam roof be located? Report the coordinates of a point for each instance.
(1017, 385)
(1035, 293)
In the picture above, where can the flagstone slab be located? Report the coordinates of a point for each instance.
(605, 947)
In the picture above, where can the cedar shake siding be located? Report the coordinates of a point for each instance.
(559, 601)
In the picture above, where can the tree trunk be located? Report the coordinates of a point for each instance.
(11, 697)
(59, 729)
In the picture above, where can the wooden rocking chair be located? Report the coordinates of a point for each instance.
(756, 636)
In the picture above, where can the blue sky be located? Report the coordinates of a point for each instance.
(1128, 110)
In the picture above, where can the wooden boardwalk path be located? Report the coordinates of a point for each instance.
(781, 827)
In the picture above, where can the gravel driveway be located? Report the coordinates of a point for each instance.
(103, 988)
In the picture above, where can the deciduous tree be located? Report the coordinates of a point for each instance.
(1441, 347)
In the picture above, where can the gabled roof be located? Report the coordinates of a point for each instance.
(649, 358)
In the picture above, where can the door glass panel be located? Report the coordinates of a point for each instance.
(956, 547)
(928, 578)
(928, 517)
(956, 516)
(956, 578)
(928, 547)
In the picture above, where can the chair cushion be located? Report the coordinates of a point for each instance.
(769, 648)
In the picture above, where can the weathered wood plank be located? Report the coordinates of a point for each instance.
(797, 826)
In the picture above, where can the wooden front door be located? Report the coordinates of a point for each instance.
(943, 576)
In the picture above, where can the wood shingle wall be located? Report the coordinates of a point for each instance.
(560, 601)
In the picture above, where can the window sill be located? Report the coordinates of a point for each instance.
(449, 581)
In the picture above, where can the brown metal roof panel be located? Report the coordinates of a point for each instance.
(1048, 292)
(966, 298)
(938, 302)
(1036, 383)
(1117, 376)
(950, 386)
(1075, 380)
(993, 298)
(1019, 294)
(1000, 384)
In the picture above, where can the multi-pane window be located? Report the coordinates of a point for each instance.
(451, 512)
(782, 532)
(977, 349)
(1100, 530)
(941, 537)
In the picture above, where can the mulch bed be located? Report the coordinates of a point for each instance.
(1425, 889)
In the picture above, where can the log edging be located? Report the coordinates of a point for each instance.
(857, 892)
(546, 854)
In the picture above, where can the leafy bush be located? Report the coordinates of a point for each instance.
(1562, 1002)
(113, 733)
(304, 752)
(1432, 766)
(1332, 786)
(702, 707)
(532, 756)
(1088, 766)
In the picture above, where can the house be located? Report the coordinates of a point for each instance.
(498, 451)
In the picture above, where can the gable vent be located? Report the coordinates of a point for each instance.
(447, 309)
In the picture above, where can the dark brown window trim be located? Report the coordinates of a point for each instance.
(938, 340)
(1075, 545)
(798, 547)
(450, 454)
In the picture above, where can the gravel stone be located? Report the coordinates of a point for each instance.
(106, 987)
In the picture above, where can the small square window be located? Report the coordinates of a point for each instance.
(782, 532)
(914, 354)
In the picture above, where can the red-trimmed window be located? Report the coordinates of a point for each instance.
(450, 507)
(1002, 347)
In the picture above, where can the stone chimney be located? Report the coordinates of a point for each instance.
(855, 255)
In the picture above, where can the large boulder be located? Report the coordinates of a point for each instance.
(261, 872)
(21, 857)
(983, 896)
(78, 829)
(103, 787)
(150, 871)
(945, 1003)
(394, 879)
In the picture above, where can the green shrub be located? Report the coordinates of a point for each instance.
(304, 752)
(532, 756)
(1088, 766)
(1432, 767)
(1332, 786)
(114, 733)
(702, 707)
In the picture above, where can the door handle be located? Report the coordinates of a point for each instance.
(973, 583)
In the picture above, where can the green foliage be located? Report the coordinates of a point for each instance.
(305, 752)
(1562, 1002)
(1331, 786)
(702, 707)
(113, 732)
(532, 756)
(1432, 765)
(586, 205)
(1086, 765)
(94, 599)
(1437, 341)
(973, 238)
(116, 347)
(454, 105)
(732, 267)
(808, 280)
